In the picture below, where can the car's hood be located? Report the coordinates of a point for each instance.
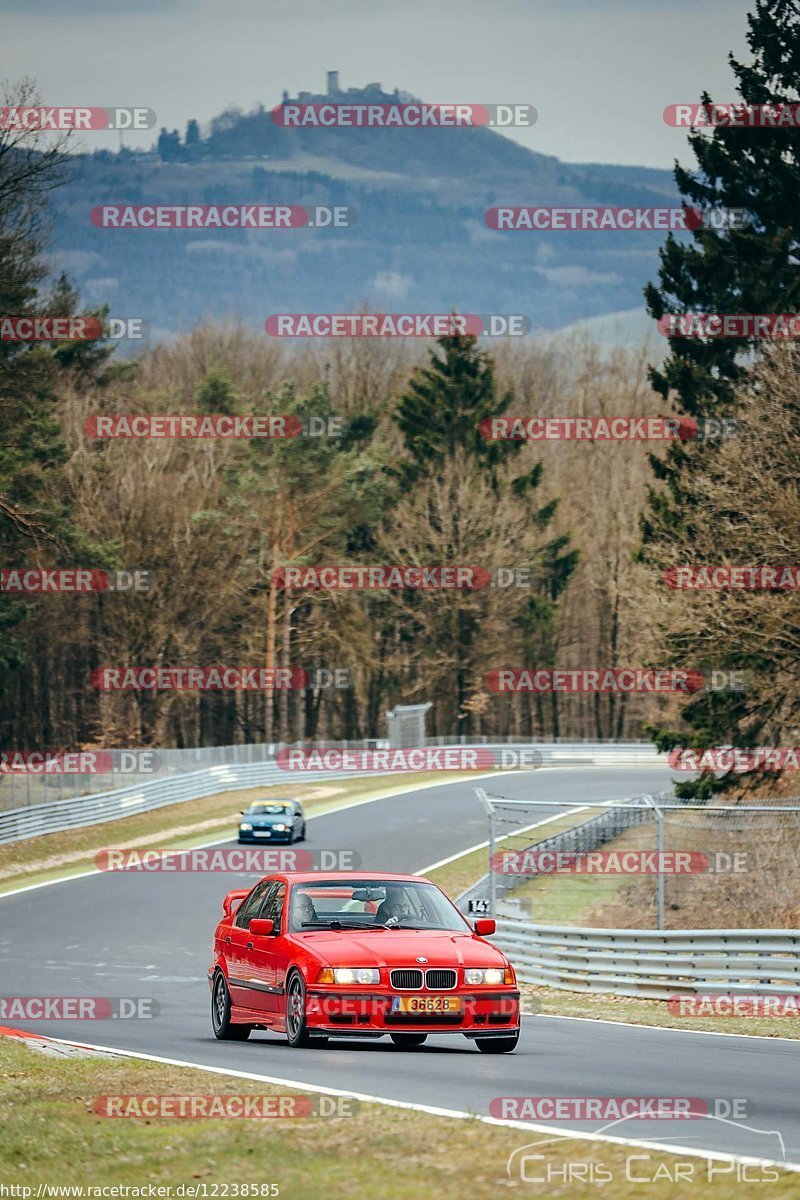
(400, 948)
(264, 822)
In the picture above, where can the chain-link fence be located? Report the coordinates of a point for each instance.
(650, 862)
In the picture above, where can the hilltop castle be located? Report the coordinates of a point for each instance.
(372, 91)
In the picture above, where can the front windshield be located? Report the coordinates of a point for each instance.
(271, 809)
(372, 904)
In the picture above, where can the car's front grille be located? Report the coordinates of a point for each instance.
(440, 980)
(406, 980)
(436, 979)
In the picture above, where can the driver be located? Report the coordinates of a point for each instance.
(303, 909)
(395, 908)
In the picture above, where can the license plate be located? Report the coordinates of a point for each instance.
(263, 832)
(426, 1004)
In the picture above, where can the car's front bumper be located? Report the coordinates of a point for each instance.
(273, 838)
(494, 1013)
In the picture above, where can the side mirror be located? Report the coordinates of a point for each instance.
(232, 901)
(485, 927)
(262, 926)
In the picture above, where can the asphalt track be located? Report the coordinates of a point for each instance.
(149, 935)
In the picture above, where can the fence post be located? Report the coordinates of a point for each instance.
(492, 876)
(660, 856)
(487, 804)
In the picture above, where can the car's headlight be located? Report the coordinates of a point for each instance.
(280, 828)
(488, 975)
(245, 825)
(349, 975)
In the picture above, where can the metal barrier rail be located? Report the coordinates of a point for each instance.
(654, 964)
(78, 811)
(125, 802)
(19, 789)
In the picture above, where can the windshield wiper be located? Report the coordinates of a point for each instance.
(425, 928)
(333, 925)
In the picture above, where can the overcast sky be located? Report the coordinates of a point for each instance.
(599, 72)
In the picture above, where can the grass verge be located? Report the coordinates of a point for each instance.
(630, 1010)
(52, 1136)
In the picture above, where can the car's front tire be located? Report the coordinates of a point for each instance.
(224, 1028)
(302, 837)
(497, 1045)
(406, 1041)
(296, 1026)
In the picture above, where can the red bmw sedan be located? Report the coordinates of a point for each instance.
(317, 955)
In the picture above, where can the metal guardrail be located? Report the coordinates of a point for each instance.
(78, 811)
(19, 789)
(655, 964)
(125, 802)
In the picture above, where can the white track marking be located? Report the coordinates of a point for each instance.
(433, 1110)
(776, 1039)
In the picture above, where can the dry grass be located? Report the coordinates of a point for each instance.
(52, 1136)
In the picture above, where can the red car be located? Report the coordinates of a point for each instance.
(318, 955)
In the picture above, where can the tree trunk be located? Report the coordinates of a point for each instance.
(272, 606)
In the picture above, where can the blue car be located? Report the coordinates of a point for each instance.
(273, 821)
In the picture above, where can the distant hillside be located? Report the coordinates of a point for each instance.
(420, 242)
